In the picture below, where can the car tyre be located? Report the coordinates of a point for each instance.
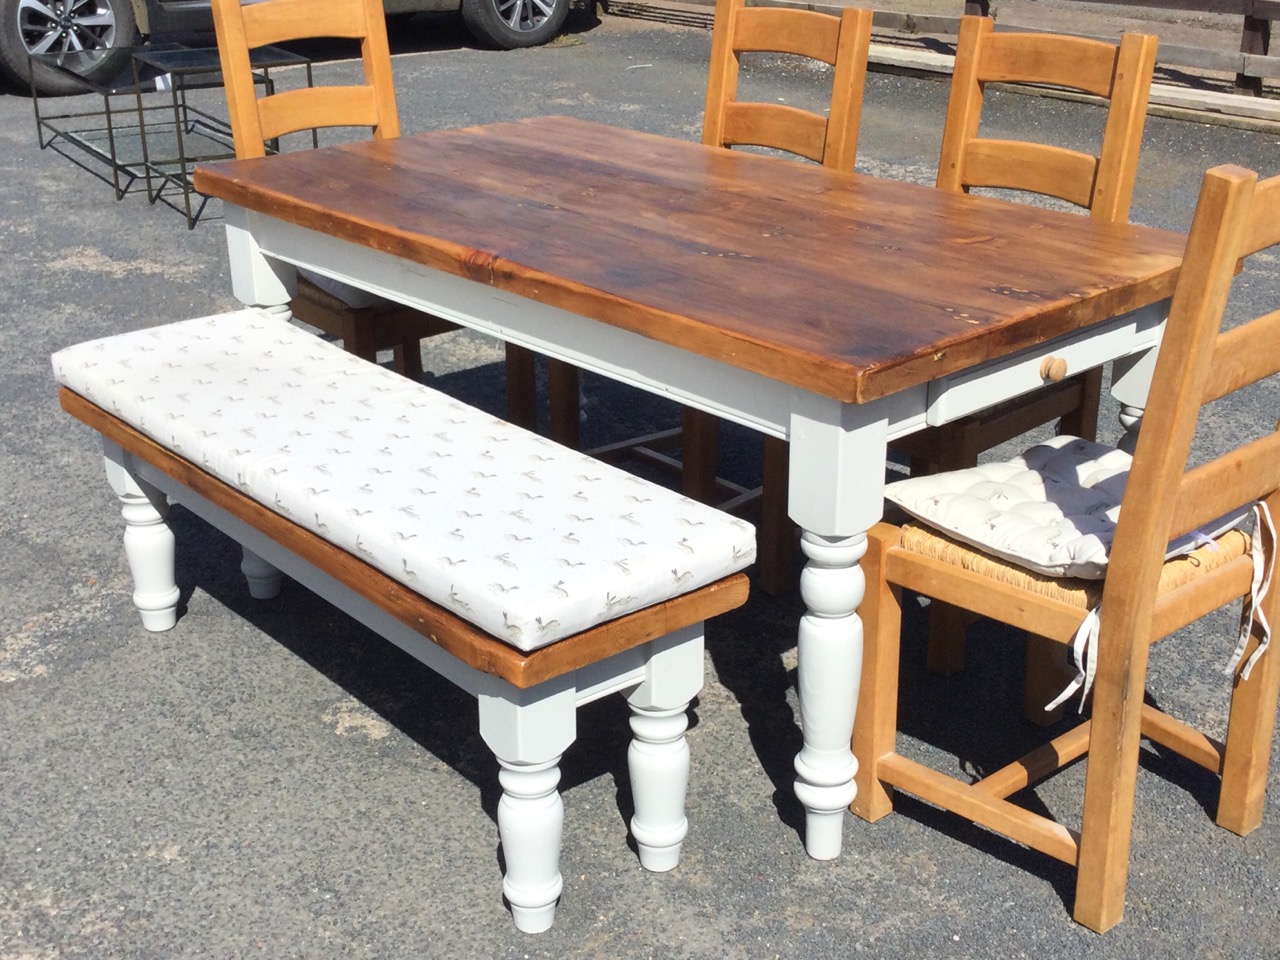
(510, 24)
(105, 27)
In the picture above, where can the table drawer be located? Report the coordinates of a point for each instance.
(980, 387)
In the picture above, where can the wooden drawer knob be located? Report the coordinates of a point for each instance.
(1053, 368)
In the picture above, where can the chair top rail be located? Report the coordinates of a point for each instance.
(254, 121)
(843, 41)
(802, 33)
(279, 20)
(1244, 354)
(1053, 59)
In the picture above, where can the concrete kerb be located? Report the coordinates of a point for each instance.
(1203, 106)
(903, 52)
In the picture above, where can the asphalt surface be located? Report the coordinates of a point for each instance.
(270, 780)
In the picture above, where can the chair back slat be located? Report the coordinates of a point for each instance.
(1244, 354)
(775, 125)
(305, 109)
(1162, 500)
(1265, 229)
(842, 42)
(1216, 488)
(1036, 167)
(1102, 182)
(255, 120)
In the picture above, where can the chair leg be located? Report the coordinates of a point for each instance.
(1048, 671)
(1249, 732)
(408, 360)
(700, 455)
(356, 339)
(564, 386)
(1083, 420)
(958, 450)
(776, 561)
(947, 626)
(1110, 783)
(522, 387)
(876, 728)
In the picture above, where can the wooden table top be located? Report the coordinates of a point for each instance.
(854, 287)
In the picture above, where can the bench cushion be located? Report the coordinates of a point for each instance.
(528, 540)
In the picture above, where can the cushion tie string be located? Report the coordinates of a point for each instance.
(1262, 571)
(1084, 648)
(1084, 644)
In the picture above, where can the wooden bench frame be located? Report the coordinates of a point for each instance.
(527, 700)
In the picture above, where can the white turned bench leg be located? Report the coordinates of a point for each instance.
(528, 731)
(264, 580)
(530, 825)
(658, 761)
(658, 758)
(148, 541)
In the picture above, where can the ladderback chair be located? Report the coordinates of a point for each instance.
(829, 138)
(1150, 586)
(365, 324)
(1121, 74)
(1101, 183)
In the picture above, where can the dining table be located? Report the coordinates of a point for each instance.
(836, 311)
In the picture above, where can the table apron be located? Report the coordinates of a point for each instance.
(977, 388)
(748, 398)
(264, 250)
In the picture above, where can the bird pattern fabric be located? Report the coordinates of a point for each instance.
(528, 540)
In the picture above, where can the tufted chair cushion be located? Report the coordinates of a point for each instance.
(1052, 510)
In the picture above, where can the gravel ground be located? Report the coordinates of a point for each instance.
(271, 780)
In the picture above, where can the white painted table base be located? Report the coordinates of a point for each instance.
(838, 450)
(528, 730)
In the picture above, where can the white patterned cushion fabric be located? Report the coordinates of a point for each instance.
(1053, 509)
(526, 539)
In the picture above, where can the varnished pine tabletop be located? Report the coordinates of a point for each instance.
(853, 287)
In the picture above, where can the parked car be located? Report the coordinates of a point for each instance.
(106, 28)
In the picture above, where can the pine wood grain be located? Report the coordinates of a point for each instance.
(850, 286)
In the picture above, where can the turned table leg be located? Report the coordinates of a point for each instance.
(829, 668)
(837, 489)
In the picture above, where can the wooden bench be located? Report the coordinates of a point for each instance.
(530, 575)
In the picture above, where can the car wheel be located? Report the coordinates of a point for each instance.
(514, 23)
(89, 37)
